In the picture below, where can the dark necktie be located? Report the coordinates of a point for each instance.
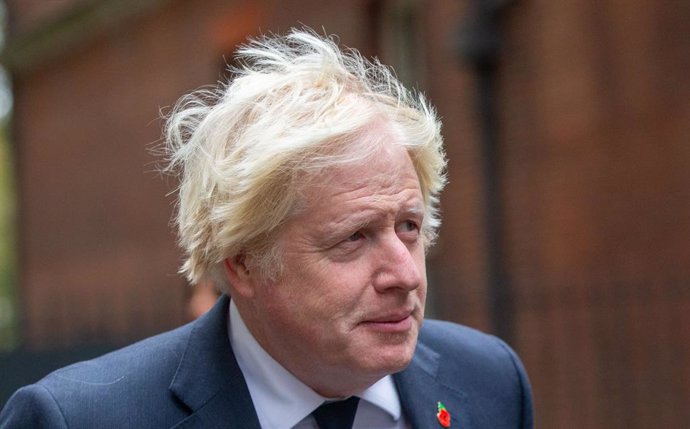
(337, 414)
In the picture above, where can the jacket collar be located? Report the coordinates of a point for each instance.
(208, 379)
(422, 386)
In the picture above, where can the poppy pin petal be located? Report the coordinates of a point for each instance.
(443, 415)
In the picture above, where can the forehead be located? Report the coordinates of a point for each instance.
(387, 176)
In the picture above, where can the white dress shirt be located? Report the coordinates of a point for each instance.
(284, 402)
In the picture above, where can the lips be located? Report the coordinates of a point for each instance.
(391, 317)
(398, 321)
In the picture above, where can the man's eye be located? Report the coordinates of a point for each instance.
(356, 236)
(410, 226)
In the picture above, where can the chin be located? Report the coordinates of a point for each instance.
(390, 360)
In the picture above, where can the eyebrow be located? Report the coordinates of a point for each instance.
(415, 209)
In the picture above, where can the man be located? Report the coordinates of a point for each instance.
(308, 193)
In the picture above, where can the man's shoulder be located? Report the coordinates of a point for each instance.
(468, 346)
(132, 379)
(441, 333)
(148, 358)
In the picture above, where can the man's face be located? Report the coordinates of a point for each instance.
(347, 307)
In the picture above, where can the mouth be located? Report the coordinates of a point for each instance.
(391, 323)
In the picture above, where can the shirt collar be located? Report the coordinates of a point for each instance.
(384, 395)
(280, 399)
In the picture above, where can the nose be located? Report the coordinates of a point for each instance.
(398, 265)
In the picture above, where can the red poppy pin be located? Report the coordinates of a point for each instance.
(443, 415)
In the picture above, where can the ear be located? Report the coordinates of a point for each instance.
(239, 277)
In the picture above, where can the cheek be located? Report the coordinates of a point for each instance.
(289, 318)
(301, 299)
(328, 286)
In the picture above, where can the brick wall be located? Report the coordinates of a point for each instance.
(595, 105)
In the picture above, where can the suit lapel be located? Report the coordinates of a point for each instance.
(421, 387)
(208, 379)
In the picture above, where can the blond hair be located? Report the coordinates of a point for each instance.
(297, 105)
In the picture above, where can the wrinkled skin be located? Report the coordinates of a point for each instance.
(347, 307)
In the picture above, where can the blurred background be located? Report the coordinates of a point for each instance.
(566, 220)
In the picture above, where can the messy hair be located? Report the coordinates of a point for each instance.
(297, 105)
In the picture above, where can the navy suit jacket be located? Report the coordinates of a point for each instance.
(189, 378)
